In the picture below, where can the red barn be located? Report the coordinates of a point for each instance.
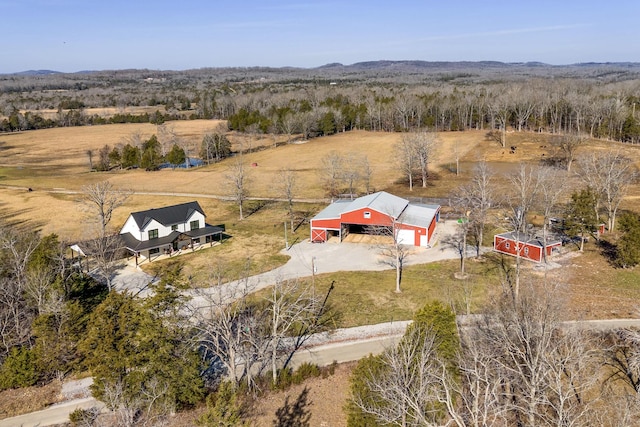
(531, 249)
(414, 224)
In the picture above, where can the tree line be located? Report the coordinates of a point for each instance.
(599, 109)
(165, 148)
(149, 356)
(518, 363)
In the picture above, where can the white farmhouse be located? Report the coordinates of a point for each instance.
(167, 230)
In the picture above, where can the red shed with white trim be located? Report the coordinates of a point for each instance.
(532, 249)
(414, 223)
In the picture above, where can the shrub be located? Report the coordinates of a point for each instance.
(223, 408)
(305, 371)
(84, 417)
(18, 369)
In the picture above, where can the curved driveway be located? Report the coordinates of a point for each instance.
(333, 257)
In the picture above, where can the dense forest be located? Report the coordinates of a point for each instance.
(598, 100)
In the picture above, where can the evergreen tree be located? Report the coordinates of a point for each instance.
(144, 348)
(628, 253)
(439, 320)
(223, 408)
(151, 156)
(581, 215)
(130, 156)
(115, 157)
(176, 156)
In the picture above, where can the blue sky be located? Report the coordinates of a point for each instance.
(74, 35)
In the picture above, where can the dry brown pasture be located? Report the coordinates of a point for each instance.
(56, 159)
(101, 111)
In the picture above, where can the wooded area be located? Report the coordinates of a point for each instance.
(598, 100)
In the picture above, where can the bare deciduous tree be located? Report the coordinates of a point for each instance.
(101, 199)
(366, 173)
(552, 187)
(237, 180)
(568, 146)
(547, 373)
(524, 186)
(408, 390)
(331, 173)
(395, 253)
(167, 137)
(287, 184)
(230, 331)
(609, 174)
(474, 200)
(413, 154)
(424, 143)
(106, 252)
(292, 308)
(351, 173)
(405, 158)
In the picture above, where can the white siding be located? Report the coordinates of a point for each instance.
(130, 226)
(406, 237)
(195, 216)
(152, 225)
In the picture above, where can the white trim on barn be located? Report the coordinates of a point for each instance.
(414, 223)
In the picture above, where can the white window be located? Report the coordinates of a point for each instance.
(526, 250)
(507, 245)
(367, 215)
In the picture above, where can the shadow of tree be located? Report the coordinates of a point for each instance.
(609, 251)
(294, 414)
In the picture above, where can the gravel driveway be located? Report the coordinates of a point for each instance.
(332, 257)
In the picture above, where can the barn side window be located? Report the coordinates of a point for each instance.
(526, 250)
(367, 214)
(507, 245)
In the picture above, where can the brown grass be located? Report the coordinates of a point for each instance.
(28, 399)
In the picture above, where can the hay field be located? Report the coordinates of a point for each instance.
(104, 112)
(56, 159)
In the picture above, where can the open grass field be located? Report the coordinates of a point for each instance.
(56, 159)
(102, 111)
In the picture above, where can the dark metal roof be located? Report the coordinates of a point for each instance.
(136, 245)
(207, 230)
(168, 215)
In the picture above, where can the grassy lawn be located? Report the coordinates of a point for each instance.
(251, 246)
(365, 298)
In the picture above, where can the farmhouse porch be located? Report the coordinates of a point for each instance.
(174, 244)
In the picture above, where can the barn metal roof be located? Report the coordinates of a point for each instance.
(334, 210)
(418, 215)
(381, 202)
(531, 241)
(411, 214)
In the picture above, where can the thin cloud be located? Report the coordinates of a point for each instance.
(506, 32)
(298, 6)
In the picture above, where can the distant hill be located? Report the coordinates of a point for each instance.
(382, 71)
(37, 72)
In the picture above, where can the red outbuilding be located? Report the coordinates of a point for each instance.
(413, 224)
(532, 249)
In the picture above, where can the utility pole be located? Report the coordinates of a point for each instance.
(314, 269)
(286, 241)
